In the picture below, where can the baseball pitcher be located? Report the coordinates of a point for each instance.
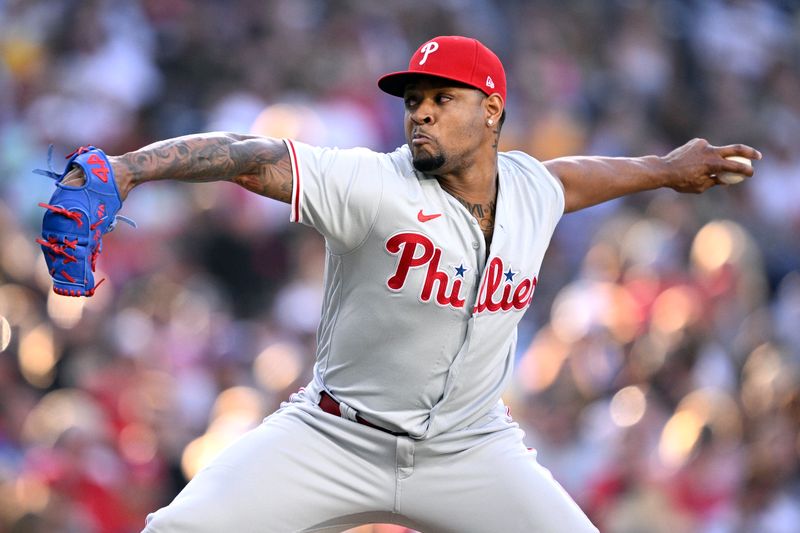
(433, 256)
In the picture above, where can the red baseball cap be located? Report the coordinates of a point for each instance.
(454, 58)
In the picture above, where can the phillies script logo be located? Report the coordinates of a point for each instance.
(510, 297)
(498, 290)
(416, 251)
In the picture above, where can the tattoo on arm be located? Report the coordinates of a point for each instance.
(258, 164)
(272, 172)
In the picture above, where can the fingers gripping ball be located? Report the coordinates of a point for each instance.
(76, 220)
(732, 178)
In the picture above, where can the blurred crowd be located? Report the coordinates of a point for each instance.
(658, 368)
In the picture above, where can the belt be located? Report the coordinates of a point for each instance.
(332, 407)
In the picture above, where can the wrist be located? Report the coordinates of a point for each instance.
(123, 177)
(661, 171)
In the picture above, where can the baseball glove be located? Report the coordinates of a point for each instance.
(76, 220)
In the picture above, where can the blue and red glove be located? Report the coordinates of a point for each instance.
(76, 220)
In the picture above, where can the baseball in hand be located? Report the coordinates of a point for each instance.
(730, 178)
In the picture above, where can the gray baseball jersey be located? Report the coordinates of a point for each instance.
(417, 337)
(418, 326)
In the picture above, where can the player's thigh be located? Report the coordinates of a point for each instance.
(289, 474)
(495, 486)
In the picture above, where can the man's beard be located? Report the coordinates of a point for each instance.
(428, 162)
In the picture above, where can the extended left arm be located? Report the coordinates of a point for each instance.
(691, 168)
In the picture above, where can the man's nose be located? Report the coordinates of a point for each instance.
(422, 114)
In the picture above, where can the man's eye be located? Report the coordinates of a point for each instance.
(410, 101)
(442, 98)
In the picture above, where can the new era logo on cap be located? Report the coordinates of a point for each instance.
(454, 58)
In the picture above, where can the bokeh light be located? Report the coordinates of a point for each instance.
(236, 411)
(200, 452)
(241, 402)
(5, 333)
(623, 316)
(16, 303)
(628, 406)
(579, 309)
(61, 410)
(38, 356)
(703, 409)
(65, 311)
(31, 494)
(542, 361)
(675, 309)
(574, 311)
(679, 437)
(138, 443)
(766, 377)
(718, 243)
(289, 121)
(278, 366)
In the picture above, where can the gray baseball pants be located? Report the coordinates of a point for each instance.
(304, 470)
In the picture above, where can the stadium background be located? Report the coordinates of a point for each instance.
(657, 368)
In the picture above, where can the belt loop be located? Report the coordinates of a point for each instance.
(348, 412)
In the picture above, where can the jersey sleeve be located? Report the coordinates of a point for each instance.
(336, 191)
(543, 191)
(555, 188)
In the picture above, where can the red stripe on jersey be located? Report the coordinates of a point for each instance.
(296, 169)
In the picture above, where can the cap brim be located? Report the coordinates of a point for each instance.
(395, 83)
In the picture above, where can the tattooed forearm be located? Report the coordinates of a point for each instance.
(258, 164)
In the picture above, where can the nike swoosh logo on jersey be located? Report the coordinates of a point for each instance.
(425, 218)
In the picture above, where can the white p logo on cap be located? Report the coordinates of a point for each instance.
(428, 49)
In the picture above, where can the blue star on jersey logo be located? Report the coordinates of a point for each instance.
(510, 275)
(460, 269)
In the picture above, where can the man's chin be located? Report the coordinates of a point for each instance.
(428, 162)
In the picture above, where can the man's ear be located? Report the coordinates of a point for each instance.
(494, 107)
